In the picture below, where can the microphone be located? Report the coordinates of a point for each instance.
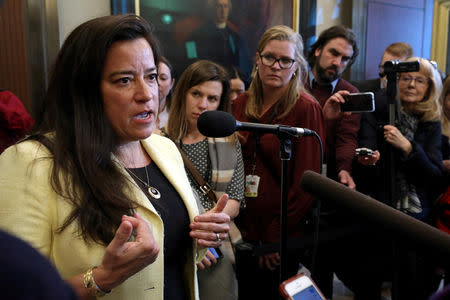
(377, 212)
(220, 124)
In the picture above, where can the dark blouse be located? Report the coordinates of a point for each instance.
(175, 217)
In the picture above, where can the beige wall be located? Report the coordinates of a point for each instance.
(72, 13)
(333, 12)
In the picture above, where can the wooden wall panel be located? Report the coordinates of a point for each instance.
(379, 23)
(13, 59)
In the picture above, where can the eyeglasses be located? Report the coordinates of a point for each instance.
(419, 80)
(284, 62)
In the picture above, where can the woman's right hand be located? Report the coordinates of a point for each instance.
(122, 258)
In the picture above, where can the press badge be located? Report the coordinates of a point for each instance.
(251, 185)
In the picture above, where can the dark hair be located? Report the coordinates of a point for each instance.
(327, 35)
(76, 130)
(236, 73)
(164, 60)
(195, 74)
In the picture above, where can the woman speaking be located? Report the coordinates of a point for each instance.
(107, 202)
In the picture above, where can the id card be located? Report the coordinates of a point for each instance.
(251, 185)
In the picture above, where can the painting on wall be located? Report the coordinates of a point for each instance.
(225, 31)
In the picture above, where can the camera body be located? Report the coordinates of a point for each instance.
(364, 152)
(396, 66)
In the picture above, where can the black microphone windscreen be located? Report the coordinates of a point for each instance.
(375, 211)
(216, 124)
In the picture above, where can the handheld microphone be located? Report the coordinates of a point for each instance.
(375, 211)
(220, 124)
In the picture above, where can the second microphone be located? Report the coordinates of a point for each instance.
(222, 124)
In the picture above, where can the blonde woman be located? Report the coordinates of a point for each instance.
(416, 138)
(276, 96)
(204, 86)
(445, 123)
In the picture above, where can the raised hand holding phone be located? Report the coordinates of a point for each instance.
(358, 102)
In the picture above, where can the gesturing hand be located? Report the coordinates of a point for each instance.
(211, 228)
(122, 258)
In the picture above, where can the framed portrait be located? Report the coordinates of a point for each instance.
(225, 31)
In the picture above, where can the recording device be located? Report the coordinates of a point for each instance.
(216, 252)
(359, 102)
(221, 124)
(363, 152)
(386, 217)
(396, 66)
(300, 287)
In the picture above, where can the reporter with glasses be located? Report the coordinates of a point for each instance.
(415, 139)
(276, 96)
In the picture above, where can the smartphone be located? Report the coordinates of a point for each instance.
(363, 152)
(216, 252)
(359, 102)
(300, 287)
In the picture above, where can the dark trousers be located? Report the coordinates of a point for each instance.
(260, 283)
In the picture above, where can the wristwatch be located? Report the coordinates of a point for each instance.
(91, 286)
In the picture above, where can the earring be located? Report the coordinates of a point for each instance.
(257, 68)
(293, 75)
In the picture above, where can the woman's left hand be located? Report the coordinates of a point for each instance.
(207, 261)
(211, 228)
(397, 139)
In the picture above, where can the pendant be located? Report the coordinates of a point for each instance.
(154, 192)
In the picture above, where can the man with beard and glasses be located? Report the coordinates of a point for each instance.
(330, 55)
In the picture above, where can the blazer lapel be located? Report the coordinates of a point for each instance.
(135, 191)
(169, 161)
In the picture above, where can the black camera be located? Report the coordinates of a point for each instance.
(396, 66)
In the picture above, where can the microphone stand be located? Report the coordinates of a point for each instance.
(285, 156)
(391, 91)
(391, 68)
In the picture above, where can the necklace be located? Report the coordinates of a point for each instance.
(152, 191)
